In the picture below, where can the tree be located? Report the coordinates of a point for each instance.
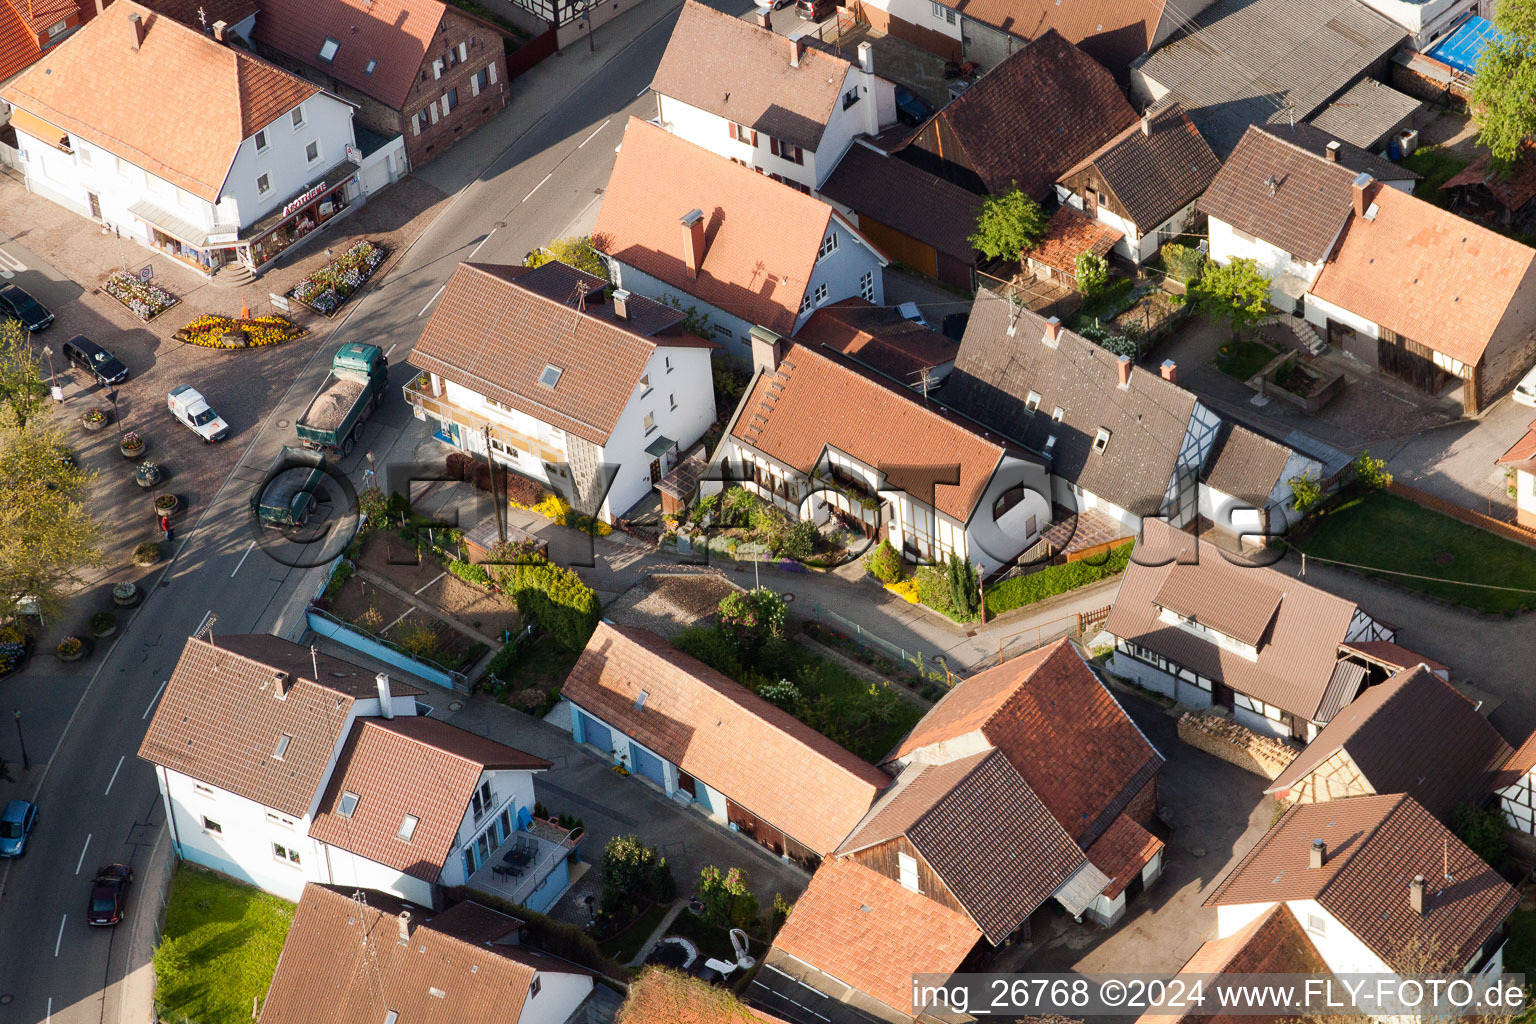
(1506, 80)
(883, 563)
(1372, 472)
(47, 535)
(1182, 261)
(1007, 224)
(1237, 292)
(22, 387)
(752, 618)
(1306, 492)
(1092, 273)
(1482, 829)
(575, 250)
(728, 900)
(964, 584)
(632, 870)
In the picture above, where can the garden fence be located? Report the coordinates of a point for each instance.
(1079, 624)
(348, 635)
(931, 669)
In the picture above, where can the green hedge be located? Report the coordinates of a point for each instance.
(564, 606)
(1055, 579)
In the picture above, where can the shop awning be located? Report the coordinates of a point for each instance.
(314, 191)
(39, 129)
(182, 230)
(660, 446)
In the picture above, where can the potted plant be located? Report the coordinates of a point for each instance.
(103, 625)
(132, 445)
(71, 648)
(93, 418)
(147, 553)
(167, 504)
(147, 475)
(125, 595)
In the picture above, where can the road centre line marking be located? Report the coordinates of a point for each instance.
(79, 863)
(540, 185)
(242, 559)
(50, 1010)
(60, 940)
(204, 621)
(152, 700)
(432, 299)
(114, 775)
(594, 132)
(487, 238)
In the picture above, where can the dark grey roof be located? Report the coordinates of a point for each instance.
(994, 374)
(1315, 140)
(555, 280)
(1249, 62)
(1366, 112)
(1343, 687)
(903, 196)
(1156, 165)
(1245, 465)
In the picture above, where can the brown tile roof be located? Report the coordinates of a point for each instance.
(1068, 234)
(1039, 112)
(1521, 761)
(40, 15)
(818, 401)
(879, 337)
(735, 69)
(343, 963)
(1188, 594)
(1523, 450)
(1059, 728)
(872, 934)
(1297, 659)
(723, 734)
(18, 43)
(417, 766)
(1121, 852)
(1245, 465)
(1427, 274)
(905, 197)
(1302, 215)
(1312, 139)
(231, 12)
(1412, 734)
(219, 720)
(1511, 190)
(133, 103)
(1112, 34)
(496, 336)
(1376, 845)
(761, 237)
(1155, 166)
(662, 996)
(1393, 655)
(983, 831)
(397, 33)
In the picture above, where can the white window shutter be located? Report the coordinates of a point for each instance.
(474, 85)
(437, 68)
(463, 51)
(493, 72)
(432, 111)
(446, 109)
(415, 126)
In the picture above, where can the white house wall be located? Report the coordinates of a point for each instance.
(1319, 311)
(243, 849)
(348, 869)
(557, 998)
(994, 543)
(689, 385)
(842, 271)
(1229, 243)
(1069, 495)
(1335, 943)
(876, 96)
(924, 14)
(1233, 918)
(510, 791)
(327, 121)
(729, 330)
(1425, 21)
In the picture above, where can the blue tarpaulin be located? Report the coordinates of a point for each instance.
(1463, 47)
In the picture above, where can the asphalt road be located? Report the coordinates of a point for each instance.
(98, 802)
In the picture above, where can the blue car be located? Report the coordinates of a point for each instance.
(16, 824)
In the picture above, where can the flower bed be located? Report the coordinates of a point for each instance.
(13, 655)
(326, 289)
(211, 331)
(145, 301)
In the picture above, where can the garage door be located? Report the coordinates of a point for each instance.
(649, 765)
(596, 733)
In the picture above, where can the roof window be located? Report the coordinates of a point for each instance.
(371, 65)
(1101, 440)
(348, 804)
(282, 746)
(407, 827)
(1033, 401)
(1057, 413)
(640, 700)
(551, 375)
(328, 49)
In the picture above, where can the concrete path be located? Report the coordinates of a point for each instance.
(661, 930)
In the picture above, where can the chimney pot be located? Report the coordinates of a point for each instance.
(136, 21)
(1361, 184)
(220, 30)
(621, 304)
(867, 57)
(386, 706)
(280, 685)
(1052, 331)
(1124, 364)
(693, 242)
(1146, 123)
(1170, 373)
(1319, 853)
(767, 349)
(1416, 895)
(404, 921)
(765, 18)
(796, 51)
(1332, 152)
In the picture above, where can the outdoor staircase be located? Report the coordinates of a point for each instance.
(234, 275)
(1308, 335)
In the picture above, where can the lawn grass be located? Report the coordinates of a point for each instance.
(1387, 532)
(220, 947)
(1107, 301)
(1437, 165)
(1243, 359)
(1520, 953)
(621, 949)
(712, 941)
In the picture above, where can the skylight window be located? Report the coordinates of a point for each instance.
(407, 827)
(640, 700)
(328, 50)
(348, 804)
(371, 65)
(282, 746)
(551, 376)
(1101, 441)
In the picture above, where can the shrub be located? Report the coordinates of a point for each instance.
(933, 589)
(1092, 273)
(713, 647)
(964, 584)
(751, 618)
(525, 492)
(1372, 473)
(147, 553)
(344, 571)
(103, 621)
(730, 384)
(555, 596)
(737, 506)
(799, 541)
(1055, 579)
(456, 465)
(70, 646)
(728, 900)
(502, 661)
(1482, 829)
(469, 572)
(1306, 492)
(397, 506)
(781, 694)
(419, 639)
(372, 504)
(883, 563)
(636, 871)
(1182, 261)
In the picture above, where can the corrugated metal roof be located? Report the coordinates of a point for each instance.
(1366, 112)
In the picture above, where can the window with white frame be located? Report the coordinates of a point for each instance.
(282, 746)
(312, 151)
(850, 97)
(297, 117)
(263, 184)
(261, 141)
(828, 246)
(480, 801)
(741, 133)
(450, 101)
(786, 150)
(83, 154)
(58, 28)
(372, 64)
(650, 423)
(280, 819)
(481, 81)
(423, 119)
(407, 827)
(867, 286)
(1317, 924)
(805, 303)
(348, 804)
(209, 825)
(1101, 440)
(286, 854)
(821, 293)
(907, 867)
(198, 787)
(1032, 402)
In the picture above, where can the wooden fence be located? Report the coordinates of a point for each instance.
(1498, 527)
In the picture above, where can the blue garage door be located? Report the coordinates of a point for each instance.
(596, 733)
(649, 765)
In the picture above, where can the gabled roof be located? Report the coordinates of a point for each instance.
(819, 401)
(1312, 139)
(196, 13)
(496, 332)
(723, 734)
(1246, 62)
(1030, 118)
(906, 197)
(1245, 465)
(742, 72)
(1121, 852)
(1155, 166)
(1299, 650)
(1375, 847)
(40, 15)
(1365, 112)
(1412, 734)
(873, 934)
(1114, 34)
(18, 43)
(220, 720)
(398, 34)
(880, 338)
(761, 237)
(133, 103)
(343, 963)
(1523, 450)
(1510, 190)
(1068, 234)
(1425, 273)
(994, 374)
(663, 996)
(1052, 718)
(983, 831)
(413, 766)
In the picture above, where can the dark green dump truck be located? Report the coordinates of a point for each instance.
(290, 489)
(359, 375)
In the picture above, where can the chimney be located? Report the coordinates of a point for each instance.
(621, 304)
(796, 51)
(136, 21)
(1169, 371)
(867, 58)
(220, 30)
(1361, 183)
(405, 927)
(765, 18)
(767, 349)
(281, 684)
(386, 706)
(1416, 895)
(1319, 854)
(1125, 371)
(693, 242)
(1146, 123)
(1052, 332)
(1332, 152)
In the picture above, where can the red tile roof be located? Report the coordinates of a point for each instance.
(879, 337)
(872, 934)
(1427, 274)
(1121, 852)
(1523, 450)
(413, 765)
(661, 996)
(1513, 189)
(1376, 845)
(133, 103)
(18, 43)
(819, 401)
(220, 719)
(1070, 233)
(396, 33)
(761, 237)
(1113, 34)
(40, 15)
(724, 735)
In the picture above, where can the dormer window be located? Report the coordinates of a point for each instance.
(328, 50)
(282, 746)
(551, 375)
(1057, 413)
(1032, 401)
(407, 827)
(348, 804)
(1101, 441)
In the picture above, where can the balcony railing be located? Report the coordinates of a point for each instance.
(419, 394)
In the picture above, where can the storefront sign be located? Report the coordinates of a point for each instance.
(307, 197)
(230, 236)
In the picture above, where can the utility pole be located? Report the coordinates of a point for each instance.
(25, 764)
(591, 46)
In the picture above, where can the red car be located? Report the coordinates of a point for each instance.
(107, 894)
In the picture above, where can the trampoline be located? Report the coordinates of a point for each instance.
(1463, 47)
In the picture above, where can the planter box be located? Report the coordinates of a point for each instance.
(1330, 388)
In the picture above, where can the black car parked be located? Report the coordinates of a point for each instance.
(33, 315)
(95, 360)
(105, 907)
(911, 109)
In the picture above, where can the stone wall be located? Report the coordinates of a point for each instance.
(1224, 738)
